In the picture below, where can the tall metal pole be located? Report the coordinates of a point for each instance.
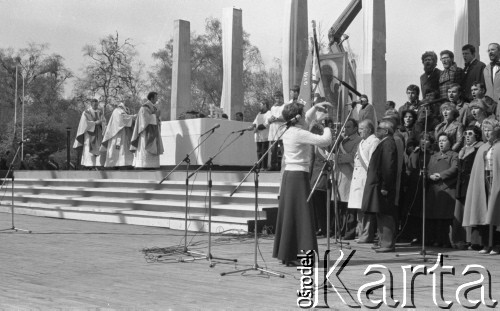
(22, 123)
(68, 143)
(15, 107)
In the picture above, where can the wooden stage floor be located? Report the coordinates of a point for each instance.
(78, 265)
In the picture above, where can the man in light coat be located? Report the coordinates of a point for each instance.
(343, 174)
(361, 160)
(492, 73)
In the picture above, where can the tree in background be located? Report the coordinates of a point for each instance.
(46, 113)
(112, 73)
(261, 85)
(207, 71)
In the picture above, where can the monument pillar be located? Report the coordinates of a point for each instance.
(181, 72)
(373, 70)
(466, 28)
(232, 55)
(295, 44)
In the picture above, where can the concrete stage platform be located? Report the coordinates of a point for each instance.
(136, 197)
(79, 265)
(180, 137)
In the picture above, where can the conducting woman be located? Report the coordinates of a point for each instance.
(295, 230)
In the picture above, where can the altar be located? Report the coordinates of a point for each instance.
(181, 136)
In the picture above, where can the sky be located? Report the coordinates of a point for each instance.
(413, 26)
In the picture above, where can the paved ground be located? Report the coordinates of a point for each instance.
(66, 264)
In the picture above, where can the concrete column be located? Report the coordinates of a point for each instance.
(295, 44)
(181, 72)
(466, 28)
(232, 54)
(373, 69)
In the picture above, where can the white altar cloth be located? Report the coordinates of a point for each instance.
(181, 136)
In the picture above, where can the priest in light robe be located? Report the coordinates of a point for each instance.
(89, 135)
(116, 140)
(146, 139)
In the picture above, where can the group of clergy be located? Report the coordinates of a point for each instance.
(127, 140)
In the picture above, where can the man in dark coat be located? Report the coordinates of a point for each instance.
(380, 188)
(430, 78)
(473, 70)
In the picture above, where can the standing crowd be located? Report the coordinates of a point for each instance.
(434, 163)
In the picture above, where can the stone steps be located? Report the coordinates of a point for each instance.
(218, 195)
(131, 199)
(166, 219)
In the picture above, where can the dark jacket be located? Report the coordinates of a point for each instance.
(413, 197)
(473, 72)
(466, 158)
(430, 82)
(411, 137)
(440, 201)
(381, 175)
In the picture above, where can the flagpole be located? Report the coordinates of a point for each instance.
(15, 110)
(316, 47)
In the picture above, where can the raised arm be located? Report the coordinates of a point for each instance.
(306, 137)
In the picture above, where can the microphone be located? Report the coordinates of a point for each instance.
(293, 120)
(211, 130)
(27, 140)
(243, 130)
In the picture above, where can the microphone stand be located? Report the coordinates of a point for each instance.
(255, 169)
(10, 173)
(209, 163)
(423, 252)
(187, 160)
(326, 171)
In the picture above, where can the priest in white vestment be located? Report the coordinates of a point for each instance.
(116, 141)
(146, 138)
(89, 135)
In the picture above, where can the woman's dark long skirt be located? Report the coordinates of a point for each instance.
(295, 230)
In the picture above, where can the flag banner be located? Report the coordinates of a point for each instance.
(305, 96)
(316, 82)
